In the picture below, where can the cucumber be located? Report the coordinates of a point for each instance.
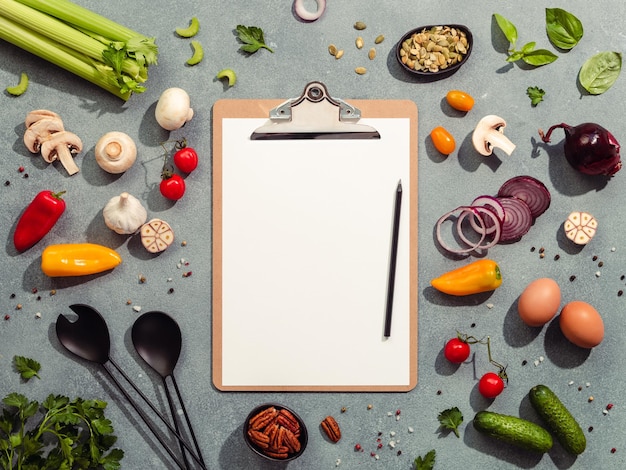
(514, 430)
(558, 419)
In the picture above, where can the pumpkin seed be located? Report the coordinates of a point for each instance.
(339, 54)
(359, 25)
(359, 42)
(360, 70)
(372, 53)
(380, 38)
(332, 50)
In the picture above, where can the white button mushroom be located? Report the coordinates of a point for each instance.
(489, 134)
(173, 109)
(115, 152)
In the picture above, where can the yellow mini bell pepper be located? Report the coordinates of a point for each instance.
(480, 276)
(78, 259)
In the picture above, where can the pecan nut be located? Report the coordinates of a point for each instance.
(331, 429)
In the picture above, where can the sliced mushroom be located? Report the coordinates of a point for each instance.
(39, 114)
(63, 146)
(115, 152)
(40, 130)
(489, 134)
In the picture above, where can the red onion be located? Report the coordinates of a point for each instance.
(589, 148)
(304, 14)
(517, 220)
(444, 218)
(484, 221)
(530, 190)
(493, 204)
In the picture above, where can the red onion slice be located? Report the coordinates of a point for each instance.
(517, 219)
(530, 190)
(482, 214)
(459, 251)
(304, 14)
(492, 203)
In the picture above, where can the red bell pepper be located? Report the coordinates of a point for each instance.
(38, 219)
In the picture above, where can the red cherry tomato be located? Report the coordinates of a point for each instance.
(456, 350)
(186, 159)
(443, 140)
(490, 385)
(172, 187)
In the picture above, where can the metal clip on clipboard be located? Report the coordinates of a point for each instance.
(314, 115)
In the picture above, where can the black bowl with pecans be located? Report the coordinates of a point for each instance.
(435, 51)
(275, 432)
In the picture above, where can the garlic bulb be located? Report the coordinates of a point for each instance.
(124, 214)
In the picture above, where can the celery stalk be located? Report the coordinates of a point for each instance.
(89, 21)
(60, 55)
(61, 32)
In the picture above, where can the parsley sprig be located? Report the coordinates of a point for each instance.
(451, 419)
(57, 434)
(252, 39)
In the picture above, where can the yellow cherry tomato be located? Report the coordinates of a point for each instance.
(443, 140)
(460, 100)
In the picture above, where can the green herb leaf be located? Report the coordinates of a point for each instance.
(252, 38)
(535, 94)
(600, 72)
(425, 463)
(539, 57)
(528, 47)
(28, 368)
(508, 29)
(564, 29)
(451, 419)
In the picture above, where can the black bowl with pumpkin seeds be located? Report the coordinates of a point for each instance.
(435, 51)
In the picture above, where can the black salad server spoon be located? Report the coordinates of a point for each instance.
(158, 340)
(88, 338)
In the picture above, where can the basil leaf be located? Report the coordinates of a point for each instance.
(564, 29)
(599, 72)
(508, 29)
(528, 47)
(539, 57)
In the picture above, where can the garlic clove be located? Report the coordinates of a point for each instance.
(124, 214)
(156, 235)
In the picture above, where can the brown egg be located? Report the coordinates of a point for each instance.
(582, 324)
(539, 302)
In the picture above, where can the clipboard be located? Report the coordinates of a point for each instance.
(301, 243)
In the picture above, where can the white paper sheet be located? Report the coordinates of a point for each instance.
(306, 233)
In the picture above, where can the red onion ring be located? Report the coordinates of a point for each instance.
(492, 203)
(304, 14)
(447, 247)
(517, 221)
(495, 227)
(530, 190)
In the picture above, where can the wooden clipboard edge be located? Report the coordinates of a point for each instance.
(250, 108)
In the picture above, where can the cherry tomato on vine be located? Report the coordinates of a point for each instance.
(186, 159)
(456, 350)
(172, 187)
(460, 100)
(490, 385)
(443, 140)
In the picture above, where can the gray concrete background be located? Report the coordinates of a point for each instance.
(533, 356)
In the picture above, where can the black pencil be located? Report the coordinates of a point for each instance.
(392, 259)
